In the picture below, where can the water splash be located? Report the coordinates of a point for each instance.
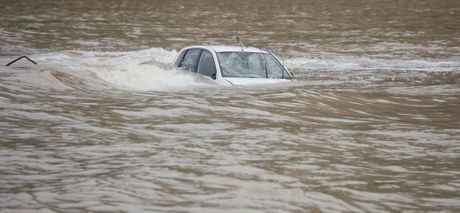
(144, 70)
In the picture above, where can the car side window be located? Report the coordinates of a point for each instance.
(206, 65)
(190, 60)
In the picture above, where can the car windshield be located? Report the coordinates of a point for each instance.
(250, 65)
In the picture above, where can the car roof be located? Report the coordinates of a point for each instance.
(229, 48)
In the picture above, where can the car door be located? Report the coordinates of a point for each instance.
(206, 65)
(190, 60)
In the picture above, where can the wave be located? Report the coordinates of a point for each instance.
(333, 62)
(144, 70)
(151, 70)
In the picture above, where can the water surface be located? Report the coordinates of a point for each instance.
(104, 123)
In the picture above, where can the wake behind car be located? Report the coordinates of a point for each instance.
(233, 65)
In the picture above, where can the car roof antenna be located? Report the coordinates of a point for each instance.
(240, 41)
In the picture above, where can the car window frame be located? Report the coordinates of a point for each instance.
(214, 77)
(195, 67)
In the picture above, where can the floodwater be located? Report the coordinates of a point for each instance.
(104, 123)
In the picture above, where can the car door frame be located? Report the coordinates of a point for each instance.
(219, 79)
(184, 54)
(214, 59)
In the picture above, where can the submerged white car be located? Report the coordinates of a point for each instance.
(233, 65)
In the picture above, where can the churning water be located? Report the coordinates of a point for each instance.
(105, 123)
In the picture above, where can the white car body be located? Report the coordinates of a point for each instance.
(191, 58)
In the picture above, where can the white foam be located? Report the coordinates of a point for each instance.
(143, 70)
(147, 77)
(332, 62)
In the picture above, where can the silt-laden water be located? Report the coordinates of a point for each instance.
(104, 123)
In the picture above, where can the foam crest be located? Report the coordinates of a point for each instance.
(329, 62)
(143, 70)
(145, 77)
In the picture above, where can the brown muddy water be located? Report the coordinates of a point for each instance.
(103, 123)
